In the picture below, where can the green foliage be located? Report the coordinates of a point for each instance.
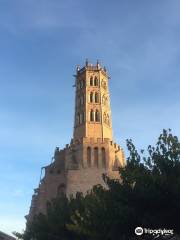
(156, 182)
(148, 195)
(52, 226)
(18, 235)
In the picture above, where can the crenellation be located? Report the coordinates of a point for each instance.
(106, 140)
(56, 151)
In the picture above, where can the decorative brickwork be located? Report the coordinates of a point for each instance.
(92, 152)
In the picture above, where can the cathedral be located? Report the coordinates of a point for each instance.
(91, 152)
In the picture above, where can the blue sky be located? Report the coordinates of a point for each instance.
(41, 42)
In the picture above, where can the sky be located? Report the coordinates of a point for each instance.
(41, 42)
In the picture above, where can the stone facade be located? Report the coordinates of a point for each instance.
(91, 152)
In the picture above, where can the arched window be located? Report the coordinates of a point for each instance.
(96, 159)
(103, 100)
(89, 157)
(61, 190)
(97, 116)
(91, 97)
(106, 101)
(103, 154)
(78, 85)
(91, 81)
(104, 118)
(81, 84)
(78, 118)
(81, 118)
(84, 83)
(82, 100)
(103, 84)
(95, 81)
(92, 116)
(96, 97)
(107, 119)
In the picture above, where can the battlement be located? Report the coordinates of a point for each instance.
(90, 67)
(91, 141)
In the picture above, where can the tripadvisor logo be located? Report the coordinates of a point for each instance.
(155, 232)
(139, 231)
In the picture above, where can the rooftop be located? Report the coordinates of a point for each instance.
(90, 67)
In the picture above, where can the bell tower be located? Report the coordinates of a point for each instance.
(92, 152)
(92, 103)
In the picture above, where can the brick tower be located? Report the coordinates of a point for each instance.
(91, 152)
(92, 111)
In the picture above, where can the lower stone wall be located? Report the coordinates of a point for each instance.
(84, 179)
(70, 173)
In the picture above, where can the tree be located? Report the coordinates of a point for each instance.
(148, 195)
(52, 225)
